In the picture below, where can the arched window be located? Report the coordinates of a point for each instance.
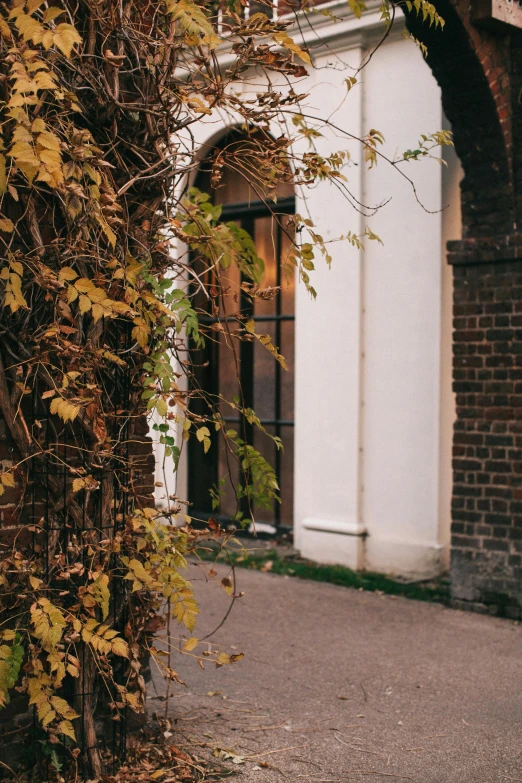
(267, 388)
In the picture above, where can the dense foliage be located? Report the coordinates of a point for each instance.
(98, 101)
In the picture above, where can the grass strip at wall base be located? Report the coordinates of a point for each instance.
(271, 560)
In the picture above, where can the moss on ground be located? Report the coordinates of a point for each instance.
(271, 560)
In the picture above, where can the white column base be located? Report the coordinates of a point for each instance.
(333, 541)
(410, 559)
(344, 542)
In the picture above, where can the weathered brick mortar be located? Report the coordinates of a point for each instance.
(487, 446)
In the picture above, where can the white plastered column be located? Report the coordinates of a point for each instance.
(328, 525)
(403, 290)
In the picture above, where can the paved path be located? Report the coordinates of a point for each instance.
(362, 687)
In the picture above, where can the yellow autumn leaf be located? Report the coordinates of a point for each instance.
(15, 282)
(33, 5)
(6, 225)
(88, 630)
(120, 647)
(48, 716)
(63, 708)
(107, 230)
(49, 623)
(5, 30)
(65, 37)
(3, 174)
(47, 39)
(98, 312)
(186, 609)
(91, 172)
(49, 140)
(29, 28)
(71, 411)
(283, 39)
(203, 435)
(74, 205)
(78, 484)
(66, 410)
(66, 273)
(84, 285)
(190, 644)
(7, 479)
(66, 727)
(99, 590)
(133, 700)
(13, 292)
(38, 125)
(84, 304)
(194, 22)
(45, 80)
(97, 294)
(72, 294)
(141, 332)
(51, 13)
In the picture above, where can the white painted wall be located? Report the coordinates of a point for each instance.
(393, 480)
(374, 407)
(328, 351)
(402, 324)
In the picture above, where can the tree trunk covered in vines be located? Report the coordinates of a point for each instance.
(99, 305)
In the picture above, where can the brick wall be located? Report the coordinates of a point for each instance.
(487, 449)
(480, 76)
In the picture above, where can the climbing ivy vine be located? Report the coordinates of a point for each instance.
(98, 103)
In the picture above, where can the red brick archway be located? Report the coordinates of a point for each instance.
(472, 68)
(480, 75)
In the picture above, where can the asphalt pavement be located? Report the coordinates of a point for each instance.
(345, 686)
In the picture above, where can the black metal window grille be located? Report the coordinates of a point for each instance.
(205, 471)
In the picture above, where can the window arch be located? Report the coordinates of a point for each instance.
(266, 386)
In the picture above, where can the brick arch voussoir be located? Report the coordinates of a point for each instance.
(472, 69)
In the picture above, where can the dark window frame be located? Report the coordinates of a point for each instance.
(203, 469)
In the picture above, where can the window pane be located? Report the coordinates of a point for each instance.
(228, 505)
(288, 276)
(264, 375)
(287, 376)
(286, 481)
(267, 448)
(239, 157)
(228, 380)
(265, 241)
(229, 284)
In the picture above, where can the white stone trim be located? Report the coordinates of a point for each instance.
(331, 546)
(342, 527)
